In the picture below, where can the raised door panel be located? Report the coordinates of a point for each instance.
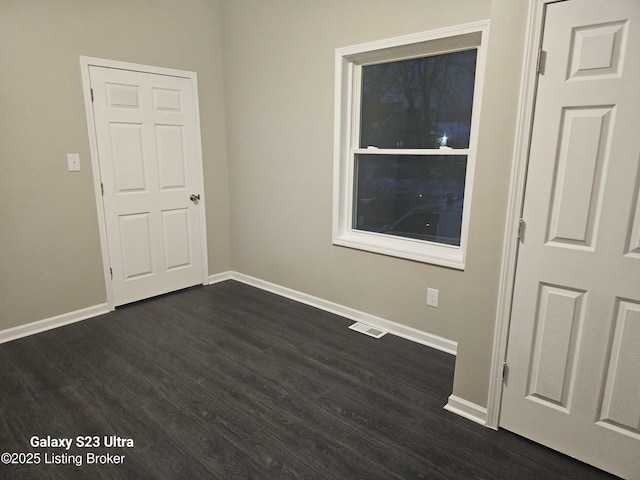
(165, 99)
(135, 244)
(128, 157)
(552, 369)
(123, 96)
(171, 156)
(597, 50)
(621, 398)
(177, 239)
(633, 248)
(577, 194)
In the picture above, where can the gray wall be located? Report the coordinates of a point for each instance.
(50, 259)
(268, 176)
(279, 77)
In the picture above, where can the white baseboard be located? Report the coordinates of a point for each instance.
(467, 409)
(220, 277)
(52, 322)
(418, 336)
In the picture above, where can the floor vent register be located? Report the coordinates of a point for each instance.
(367, 330)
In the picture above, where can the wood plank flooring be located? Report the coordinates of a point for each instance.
(231, 382)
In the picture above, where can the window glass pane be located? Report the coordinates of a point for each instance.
(418, 103)
(418, 197)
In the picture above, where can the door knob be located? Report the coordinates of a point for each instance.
(194, 197)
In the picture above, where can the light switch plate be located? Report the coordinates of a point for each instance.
(432, 297)
(73, 162)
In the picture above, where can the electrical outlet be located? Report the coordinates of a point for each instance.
(432, 297)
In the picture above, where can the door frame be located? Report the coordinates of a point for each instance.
(85, 64)
(524, 126)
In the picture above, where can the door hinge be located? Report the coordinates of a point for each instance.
(542, 61)
(102, 188)
(91, 90)
(522, 226)
(505, 371)
(111, 272)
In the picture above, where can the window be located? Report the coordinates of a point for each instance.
(406, 132)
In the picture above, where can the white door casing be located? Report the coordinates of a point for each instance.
(574, 341)
(144, 135)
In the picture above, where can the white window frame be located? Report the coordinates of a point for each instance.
(348, 68)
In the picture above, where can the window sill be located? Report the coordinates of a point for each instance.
(405, 248)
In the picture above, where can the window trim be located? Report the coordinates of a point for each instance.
(348, 63)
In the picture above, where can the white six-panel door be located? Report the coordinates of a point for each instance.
(574, 344)
(147, 147)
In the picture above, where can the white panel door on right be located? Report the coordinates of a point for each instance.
(574, 344)
(146, 136)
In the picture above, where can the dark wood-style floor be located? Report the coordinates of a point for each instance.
(230, 382)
